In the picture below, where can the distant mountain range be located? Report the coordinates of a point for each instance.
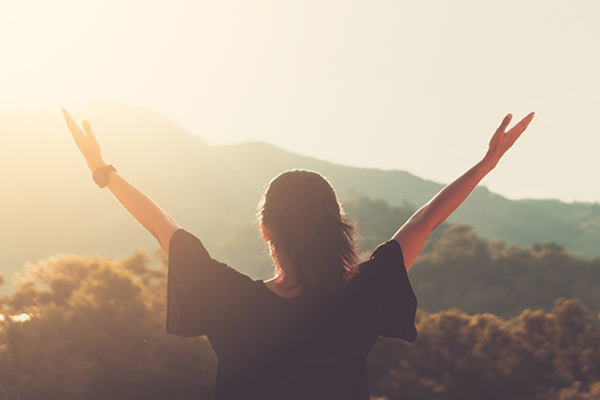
(50, 205)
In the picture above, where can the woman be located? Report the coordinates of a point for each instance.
(305, 333)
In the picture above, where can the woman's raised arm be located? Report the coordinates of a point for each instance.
(413, 233)
(140, 206)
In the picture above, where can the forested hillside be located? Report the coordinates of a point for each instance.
(459, 269)
(50, 205)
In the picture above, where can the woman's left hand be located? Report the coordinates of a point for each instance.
(503, 140)
(86, 141)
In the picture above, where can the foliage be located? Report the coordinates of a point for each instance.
(538, 355)
(459, 269)
(465, 271)
(96, 325)
(97, 332)
(377, 221)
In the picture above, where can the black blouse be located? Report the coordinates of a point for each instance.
(270, 347)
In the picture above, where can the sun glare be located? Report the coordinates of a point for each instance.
(21, 317)
(295, 73)
(17, 318)
(53, 51)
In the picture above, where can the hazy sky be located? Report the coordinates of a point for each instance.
(412, 85)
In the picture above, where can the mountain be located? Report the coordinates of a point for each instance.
(50, 205)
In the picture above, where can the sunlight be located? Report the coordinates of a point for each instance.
(199, 104)
(54, 48)
(21, 317)
(399, 73)
(17, 318)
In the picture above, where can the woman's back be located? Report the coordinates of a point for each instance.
(309, 347)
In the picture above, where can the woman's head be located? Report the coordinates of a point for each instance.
(307, 229)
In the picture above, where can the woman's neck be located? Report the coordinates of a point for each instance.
(283, 289)
(285, 284)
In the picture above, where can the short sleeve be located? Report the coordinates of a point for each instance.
(200, 290)
(398, 301)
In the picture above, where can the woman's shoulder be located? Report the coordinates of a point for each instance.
(386, 256)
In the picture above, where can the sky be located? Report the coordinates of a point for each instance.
(411, 85)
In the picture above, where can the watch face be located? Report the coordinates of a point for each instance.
(101, 175)
(101, 179)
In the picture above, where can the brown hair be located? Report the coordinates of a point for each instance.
(308, 229)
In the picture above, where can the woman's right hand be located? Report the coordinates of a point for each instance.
(86, 141)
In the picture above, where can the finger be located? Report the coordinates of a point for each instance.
(72, 125)
(523, 124)
(518, 129)
(504, 124)
(525, 121)
(88, 129)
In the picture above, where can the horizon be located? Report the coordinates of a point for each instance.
(119, 104)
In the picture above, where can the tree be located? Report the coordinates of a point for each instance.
(535, 356)
(96, 332)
